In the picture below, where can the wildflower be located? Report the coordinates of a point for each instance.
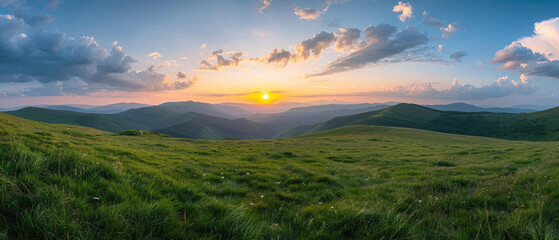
(419, 200)
(319, 203)
(221, 173)
(95, 198)
(251, 204)
(261, 196)
(332, 207)
(222, 177)
(248, 173)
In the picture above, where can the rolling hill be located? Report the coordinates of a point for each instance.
(538, 126)
(311, 115)
(355, 182)
(168, 119)
(210, 127)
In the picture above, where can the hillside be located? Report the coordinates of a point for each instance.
(167, 120)
(208, 127)
(311, 115)
(538, 126)
(105, 122)
(357, 182)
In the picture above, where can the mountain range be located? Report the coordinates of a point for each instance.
(217, 121)
(539, 126)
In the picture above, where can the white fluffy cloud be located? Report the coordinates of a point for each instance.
(536, 55)
(405, 10)
(501, 87)
(450, 29)
(308, 13)
(52, 57)
(545, 39)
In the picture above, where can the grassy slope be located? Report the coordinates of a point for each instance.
(105, 122)
(358, 182)
(540, 126)
(209, 127)
(168, 121)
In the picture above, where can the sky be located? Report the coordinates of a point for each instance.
(489, 53)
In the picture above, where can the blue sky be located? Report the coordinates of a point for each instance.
(159, 51)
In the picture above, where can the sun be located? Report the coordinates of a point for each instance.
(265, 96)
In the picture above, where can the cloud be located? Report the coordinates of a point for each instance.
(220, 59)
(382, 43)
(307, 13)
(521, 59)
(440, 48)
(536, 55)
(346, 38)
(545, 39)
(501, 87)
(181, 75)
(450, 29)
(431, 21)
(405, 9)
(49, 57)
(154, 55)
(316, 45)
(203, 46)
(446, 30)
(264, 4)
(277, 57)
(457, 56)
(313, 14)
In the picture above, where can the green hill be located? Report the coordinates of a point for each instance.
(105, 122)
(159, 119)
(311, 115)
(359, 182)
(208, 127)
(538, 126)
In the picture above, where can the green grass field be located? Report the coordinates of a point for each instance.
(358, 182)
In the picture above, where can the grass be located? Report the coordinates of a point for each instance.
(356, 182)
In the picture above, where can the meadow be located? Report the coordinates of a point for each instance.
(357, 182)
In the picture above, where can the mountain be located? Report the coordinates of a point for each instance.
(265, 108)
(168, 119)
(65, 108)
(116, 107)
(538, 126)
(191, 106)
(532, 106)
(312, 114)
(464, 107)
(105, 122)
(106, 109)
(210, 127)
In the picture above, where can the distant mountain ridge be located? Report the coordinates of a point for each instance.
(210, 121)
(540, 126)
(464, 107)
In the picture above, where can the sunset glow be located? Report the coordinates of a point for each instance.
(336, 51)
